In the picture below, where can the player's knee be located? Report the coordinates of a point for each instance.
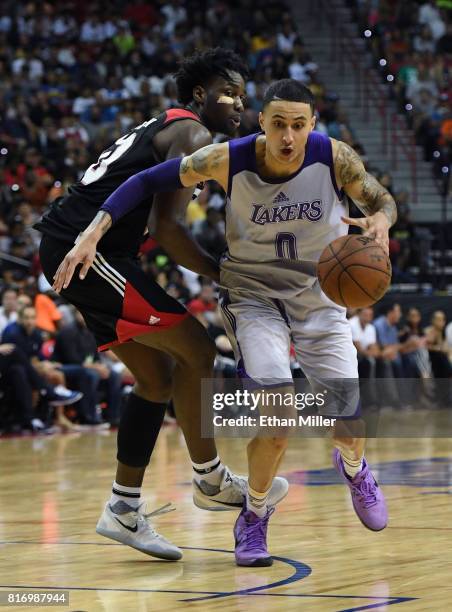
(153, 389)
(201, 355)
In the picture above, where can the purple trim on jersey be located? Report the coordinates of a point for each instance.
(320, 149)
(129, 195)
(242, 156)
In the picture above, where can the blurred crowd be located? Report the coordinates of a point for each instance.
(412, 44)
(74, 77)
(395, 346)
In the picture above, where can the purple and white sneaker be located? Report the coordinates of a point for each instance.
(250, 532)
(367, 497)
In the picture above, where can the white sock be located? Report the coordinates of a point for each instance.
(352, 466)
(129, 495)
(210, 472)
(257, 502)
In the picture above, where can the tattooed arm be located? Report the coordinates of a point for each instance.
(208, 163)
(371, 198)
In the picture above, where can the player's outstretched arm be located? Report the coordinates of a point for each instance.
(371, 198)
(211, 162)
(167, 218)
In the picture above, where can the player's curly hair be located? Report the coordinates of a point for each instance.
(203, 66)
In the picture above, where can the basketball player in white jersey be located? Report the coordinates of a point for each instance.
(285, 190)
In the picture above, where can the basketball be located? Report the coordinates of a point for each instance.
(354, 271)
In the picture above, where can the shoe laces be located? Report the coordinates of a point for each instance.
(143, 517)
(366, 491)
(255, 532)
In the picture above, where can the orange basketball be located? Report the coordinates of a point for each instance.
(354, 271)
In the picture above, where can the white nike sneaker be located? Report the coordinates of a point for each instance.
(232, 492)
(133, 529)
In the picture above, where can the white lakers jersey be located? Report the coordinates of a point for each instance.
(277, 229)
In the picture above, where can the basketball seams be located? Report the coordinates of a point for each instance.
(340, 289)
(355, 281)
(360, 265)
(364, 248)
(329, 259)
(334, 253)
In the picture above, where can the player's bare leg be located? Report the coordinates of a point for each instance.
(124, 518)
(265, 453)
(215, 487)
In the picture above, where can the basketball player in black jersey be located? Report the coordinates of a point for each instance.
(165, 348)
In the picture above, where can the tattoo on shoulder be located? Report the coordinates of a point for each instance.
(205, 160)
(348, 164)
(184, 166)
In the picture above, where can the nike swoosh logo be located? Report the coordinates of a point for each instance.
(238, 505)
(132, 529)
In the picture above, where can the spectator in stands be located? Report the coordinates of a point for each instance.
(204, 304)
(437, 345)
(417, 362)
(448, 334)
(17, 386)
(8, 309)
(76, 349)
(210, 232)
(391, 364)
(29, 339)
(364, 338)
(29, 394)
(439, 357)
(48, 317)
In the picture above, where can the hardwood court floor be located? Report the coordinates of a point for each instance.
(53, 489)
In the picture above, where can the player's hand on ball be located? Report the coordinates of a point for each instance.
(375, 226)
(82, 253)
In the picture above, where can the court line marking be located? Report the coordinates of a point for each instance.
(386, 601)
(301, 571)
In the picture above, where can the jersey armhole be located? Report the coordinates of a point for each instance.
(328, 146)
(241, 157)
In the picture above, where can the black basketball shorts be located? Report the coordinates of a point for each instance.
(117, 300)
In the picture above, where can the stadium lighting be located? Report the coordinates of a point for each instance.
(367, 33)
(390, 78)
(383, 62)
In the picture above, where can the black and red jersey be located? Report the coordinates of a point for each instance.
(133, 152)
